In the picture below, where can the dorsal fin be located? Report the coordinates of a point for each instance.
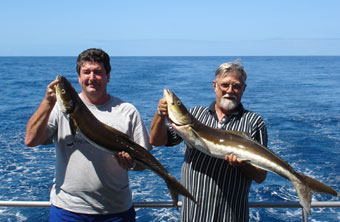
(243, 134)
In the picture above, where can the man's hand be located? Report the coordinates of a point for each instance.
(162, 109)
(125, 161)
(158, 133)
(254, 173)
(232, 159)
(50, 94)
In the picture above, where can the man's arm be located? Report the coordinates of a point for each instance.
(37, 125)
(158, 132)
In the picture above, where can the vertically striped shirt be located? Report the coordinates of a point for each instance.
(220, 189)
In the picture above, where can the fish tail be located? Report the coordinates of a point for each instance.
(305, 186)
(304, 192)
(176, 188)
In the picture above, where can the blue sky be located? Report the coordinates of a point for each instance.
(170, 27)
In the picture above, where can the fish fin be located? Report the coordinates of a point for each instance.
(318, 187)
(304, 193)
(305, 186)
(247, 161)
(73, 127)
(176, 188)
(199, 142)
(239, 133)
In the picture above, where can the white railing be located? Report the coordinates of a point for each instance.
(314, 204)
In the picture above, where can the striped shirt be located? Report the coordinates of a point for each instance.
(220, 189)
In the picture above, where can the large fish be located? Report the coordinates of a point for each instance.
(109, 139)
(218, 143)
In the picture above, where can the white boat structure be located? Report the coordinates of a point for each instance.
(293, 204)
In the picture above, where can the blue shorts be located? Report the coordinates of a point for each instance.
(58, 215)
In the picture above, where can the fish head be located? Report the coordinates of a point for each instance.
(66, 95)
(177, 112)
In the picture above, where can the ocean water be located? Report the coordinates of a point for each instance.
(298, 97)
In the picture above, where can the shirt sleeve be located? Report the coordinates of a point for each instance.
(140, 134)
(173, 138)
(261, 132)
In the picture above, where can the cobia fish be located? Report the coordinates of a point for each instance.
(218, 143)
(109, 139)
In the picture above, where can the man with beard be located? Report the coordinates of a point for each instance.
(221, 187)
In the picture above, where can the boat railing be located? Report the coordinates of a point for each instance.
(314, 204)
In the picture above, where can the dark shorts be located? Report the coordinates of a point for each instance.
(58, 214)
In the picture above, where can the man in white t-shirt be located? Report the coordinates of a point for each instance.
(90, 184)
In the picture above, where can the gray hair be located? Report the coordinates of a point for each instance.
(232, 67)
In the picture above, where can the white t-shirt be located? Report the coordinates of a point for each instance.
(87, 179)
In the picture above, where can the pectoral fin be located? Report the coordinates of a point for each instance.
(199, 142)
(247, 161)
(239, 133)
(73, 128)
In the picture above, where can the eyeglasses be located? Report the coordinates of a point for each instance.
(234, 86)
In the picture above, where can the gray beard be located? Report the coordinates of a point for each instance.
(228, 104)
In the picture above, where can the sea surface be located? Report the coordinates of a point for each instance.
(298, 97)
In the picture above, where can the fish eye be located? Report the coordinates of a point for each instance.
(63, 91)
(179, 103)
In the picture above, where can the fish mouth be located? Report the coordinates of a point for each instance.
(179, 122)
(177, 126)
(168, 95)
(177, 113)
